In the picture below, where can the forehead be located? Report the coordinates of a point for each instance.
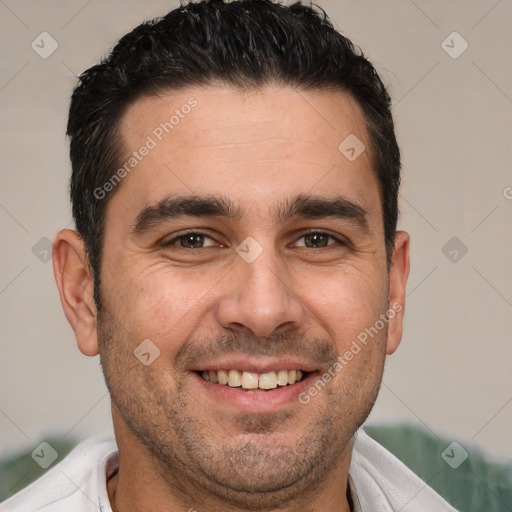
(256, 145)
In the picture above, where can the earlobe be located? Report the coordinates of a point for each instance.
(73, 277)
(398, 274)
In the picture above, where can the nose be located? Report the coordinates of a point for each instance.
(259, 296)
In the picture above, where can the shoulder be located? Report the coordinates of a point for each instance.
(70, 485)
(379, 478)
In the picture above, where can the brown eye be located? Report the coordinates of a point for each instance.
(190, 240)
(318, 240)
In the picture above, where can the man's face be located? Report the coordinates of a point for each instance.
(210, 298)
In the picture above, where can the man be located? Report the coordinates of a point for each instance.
(237, 267)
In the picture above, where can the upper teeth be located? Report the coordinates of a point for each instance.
(252, 380)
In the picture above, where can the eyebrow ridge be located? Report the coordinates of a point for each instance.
(314, 207)
(305, 206)
(184, 206)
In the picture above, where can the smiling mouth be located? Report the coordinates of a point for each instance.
(252, 382)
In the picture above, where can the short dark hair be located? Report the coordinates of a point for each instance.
(246, 44)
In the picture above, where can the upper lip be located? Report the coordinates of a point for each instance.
(257, 365)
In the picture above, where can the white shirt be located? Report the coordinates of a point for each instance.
(378, 482)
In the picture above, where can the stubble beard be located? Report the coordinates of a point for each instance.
(249, 472)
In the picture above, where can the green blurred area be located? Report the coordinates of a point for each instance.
(477, 485)
(19, 471)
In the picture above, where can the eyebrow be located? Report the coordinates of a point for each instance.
(301, 206)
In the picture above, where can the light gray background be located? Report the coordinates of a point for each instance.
(452, 373)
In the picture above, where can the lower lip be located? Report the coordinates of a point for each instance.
(266, 401)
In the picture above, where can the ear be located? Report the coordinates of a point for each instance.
(398, 273)
(73, 276)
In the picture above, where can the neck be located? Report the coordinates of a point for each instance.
(143, 483)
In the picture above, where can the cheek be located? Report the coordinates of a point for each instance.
(345, 301)
(165, 305)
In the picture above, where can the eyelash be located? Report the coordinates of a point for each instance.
(192, 232)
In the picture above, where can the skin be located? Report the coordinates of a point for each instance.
(180, 446)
